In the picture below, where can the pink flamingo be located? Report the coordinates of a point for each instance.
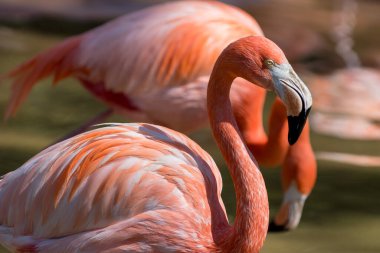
(154, 65)
(145, 188)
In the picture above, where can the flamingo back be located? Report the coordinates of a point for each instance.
(136, 175)
(165, 45)
(161, 46)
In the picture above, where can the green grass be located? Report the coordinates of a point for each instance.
(341, 215)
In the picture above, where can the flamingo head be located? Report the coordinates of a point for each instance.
(260, 61)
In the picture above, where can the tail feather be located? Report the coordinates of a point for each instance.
(57, 61)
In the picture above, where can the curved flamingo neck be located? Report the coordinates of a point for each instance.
(252, 211)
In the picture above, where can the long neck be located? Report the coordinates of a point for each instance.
(252, 211)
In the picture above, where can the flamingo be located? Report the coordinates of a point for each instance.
(154, 65)
(145, 188)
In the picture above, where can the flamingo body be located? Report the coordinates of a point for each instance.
(165, 49)
(107, 189)
(154, 66)
(144, 188)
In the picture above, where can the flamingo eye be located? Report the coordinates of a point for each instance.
(269, 63)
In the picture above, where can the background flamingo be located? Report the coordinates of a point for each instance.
(154, 65)
(340, 108)
(145, 188)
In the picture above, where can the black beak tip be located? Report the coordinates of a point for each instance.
(296, 125)
(274, 228)
(292, 139)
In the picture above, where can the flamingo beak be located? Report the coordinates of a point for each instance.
(289, 215)
(296, 95)
(296, 124)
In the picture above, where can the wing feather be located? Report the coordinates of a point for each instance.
(165, 45)
(105, 176)
(145, 51)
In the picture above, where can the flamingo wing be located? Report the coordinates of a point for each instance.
(138, 179)
(161, 46)
(169, 44)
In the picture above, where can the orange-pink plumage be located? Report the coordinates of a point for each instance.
(154, 65)
(89, 182)
(146, 188)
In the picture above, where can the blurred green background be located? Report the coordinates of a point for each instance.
(343, 212)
